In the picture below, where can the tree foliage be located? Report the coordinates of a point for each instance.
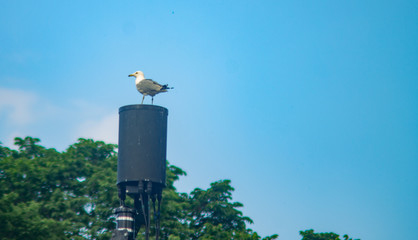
(311, 235)
(52, 195)
(46, 194)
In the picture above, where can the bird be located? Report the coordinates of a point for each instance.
(148, 86)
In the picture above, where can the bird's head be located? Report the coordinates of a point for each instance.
(137, 74)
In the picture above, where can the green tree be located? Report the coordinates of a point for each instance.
(211, 212)
(50, 195)
(46, 194)
(311, 235)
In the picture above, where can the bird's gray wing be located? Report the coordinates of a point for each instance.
(148, 85)
(154, 82)
(163, 87)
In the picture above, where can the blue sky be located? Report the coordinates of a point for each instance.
(309, 107)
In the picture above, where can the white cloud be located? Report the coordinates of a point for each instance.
(17, 106)
(104, 129)
(25, 113)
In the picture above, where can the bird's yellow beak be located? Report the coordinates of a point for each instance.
(131, 75)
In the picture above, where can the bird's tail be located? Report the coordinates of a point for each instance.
(165, 87)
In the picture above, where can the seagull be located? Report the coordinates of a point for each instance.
(148, 86)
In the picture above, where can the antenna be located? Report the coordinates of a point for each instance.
(141, 168)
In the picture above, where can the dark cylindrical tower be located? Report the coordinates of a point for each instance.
(142, 144)
(141, 166)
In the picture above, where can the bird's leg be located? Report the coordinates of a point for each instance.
(143, 99)
(152, 100)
